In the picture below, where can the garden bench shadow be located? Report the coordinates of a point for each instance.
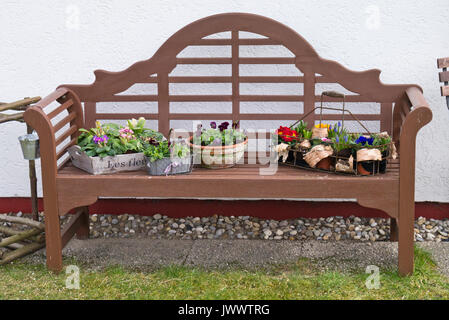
(403, 111)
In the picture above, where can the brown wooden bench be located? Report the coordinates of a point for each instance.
(403, 111)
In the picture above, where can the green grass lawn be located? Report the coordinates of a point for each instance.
(302, 280)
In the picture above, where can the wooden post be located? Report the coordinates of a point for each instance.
(33, 183)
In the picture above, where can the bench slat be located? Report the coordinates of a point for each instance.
(445, 91)
(443, 63)
(444, 76)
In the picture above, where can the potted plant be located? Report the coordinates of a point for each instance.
(166, 158)
(372, 152)
(219, 146)
(110, 148)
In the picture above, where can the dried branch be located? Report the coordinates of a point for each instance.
(11, 117)
(25, 221)
(29, 248)
(19, 237)
(19, 105)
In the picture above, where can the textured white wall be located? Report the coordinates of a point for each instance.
(47, 43)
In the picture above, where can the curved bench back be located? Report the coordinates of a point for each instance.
(242, 77)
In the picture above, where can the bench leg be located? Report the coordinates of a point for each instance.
(53, 240)
(83, 231)
(393, 230)
(405, 244)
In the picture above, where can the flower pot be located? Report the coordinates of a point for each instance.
(362, 170)
(324, 164)
(106, 165)
(219, 157)
(30, 146)
(169, 166)
(367, 167)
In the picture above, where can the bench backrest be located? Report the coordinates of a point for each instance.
(443, 63)
(241, 78)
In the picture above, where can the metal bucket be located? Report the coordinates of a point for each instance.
(168, 166)
(30, 146)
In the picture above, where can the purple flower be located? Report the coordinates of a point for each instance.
(337, 139)
(99, 140)
(213, 125)
(223, 126)
(362, 140)
(346, 138)
(235, 124)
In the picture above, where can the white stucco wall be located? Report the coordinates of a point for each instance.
(47, 43)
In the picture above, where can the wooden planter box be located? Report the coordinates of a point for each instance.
(106, 165)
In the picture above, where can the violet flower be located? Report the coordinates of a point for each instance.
(213, 125)
(99, 140)
(362, 140)
(223, 126)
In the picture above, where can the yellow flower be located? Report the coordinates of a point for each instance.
(322, 126)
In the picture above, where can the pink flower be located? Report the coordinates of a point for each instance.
(127, 133)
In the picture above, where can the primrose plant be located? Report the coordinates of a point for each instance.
(111, 139)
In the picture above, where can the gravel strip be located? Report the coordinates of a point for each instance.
(245, 227)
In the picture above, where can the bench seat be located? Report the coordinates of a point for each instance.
(77, 188)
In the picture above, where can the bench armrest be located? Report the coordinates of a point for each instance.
(52, 136)
(418, 117)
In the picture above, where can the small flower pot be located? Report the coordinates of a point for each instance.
(169, 166)
(324, 164)
(373, 166)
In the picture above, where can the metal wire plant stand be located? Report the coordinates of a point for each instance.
(343, 161)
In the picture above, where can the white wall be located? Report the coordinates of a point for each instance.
(47, 43)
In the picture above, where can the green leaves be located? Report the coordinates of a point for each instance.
(159, 151)
(115, 144)
(217, 138)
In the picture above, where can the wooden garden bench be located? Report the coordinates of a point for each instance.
(403, 111)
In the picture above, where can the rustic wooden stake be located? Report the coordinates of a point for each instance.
(33, 183)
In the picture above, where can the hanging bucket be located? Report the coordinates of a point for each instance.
(30, 146)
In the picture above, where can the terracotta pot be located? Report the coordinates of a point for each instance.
(361, 170)
(219, 157)
(324, 164)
